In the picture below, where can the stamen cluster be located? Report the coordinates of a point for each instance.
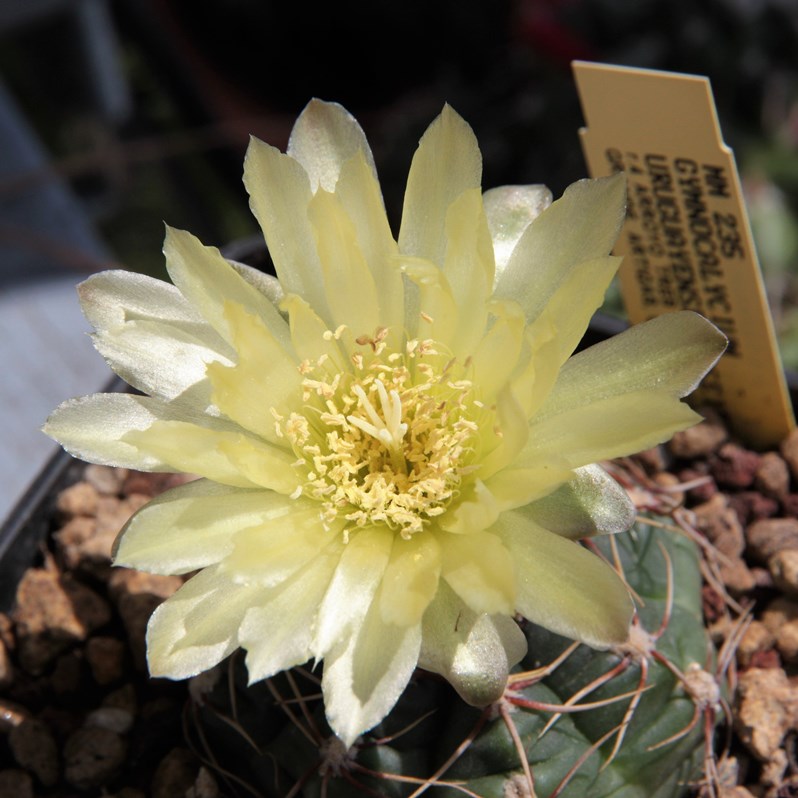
(389, 442)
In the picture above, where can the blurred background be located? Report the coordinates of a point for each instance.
(118, 115)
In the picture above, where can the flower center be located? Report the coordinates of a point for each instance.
(388, 442)
(389, 430)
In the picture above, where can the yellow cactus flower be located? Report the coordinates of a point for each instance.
(397, 448)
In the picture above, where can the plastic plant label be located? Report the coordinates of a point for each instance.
(687, 242)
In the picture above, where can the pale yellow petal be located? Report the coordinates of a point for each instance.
(607, 428)
(468, 266)
(446, 163)
(151, 336)
(324, 137)
(222, 455)
(192, 526)
(267, 284)
(670, 354)
(510, 436)
(111, 298)
(353, 587)
(366, 671)
(583, 224)
(277, 630)
(509, 211)
(564, 587)
(275, 549)
(264, 377)
(95, 427)
(166, 360)
(411, 579)
(476, 509)
(349, 287)
(328, 142)
(592, 503)
(538, 365)
(359, 193)
(621, 396)
(573, 303)
(555, 333)
(480, 570)
(496, 356)
(518, 485)
(437, 315)
(259, 462)
(279, 194)
(473, 652)
(197, 627)
(208, 281)
(311, 338)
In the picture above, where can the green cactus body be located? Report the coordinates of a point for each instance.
(288, 757)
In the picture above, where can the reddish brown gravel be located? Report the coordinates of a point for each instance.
(78, 715)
